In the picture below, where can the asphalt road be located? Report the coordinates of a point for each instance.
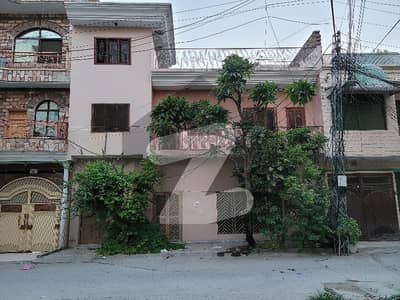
(200, 276)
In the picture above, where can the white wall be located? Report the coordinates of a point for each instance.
(91, 83)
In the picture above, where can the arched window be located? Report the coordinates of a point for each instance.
(38, 46)
(46, 118)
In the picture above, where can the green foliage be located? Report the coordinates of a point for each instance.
(171, 115)
(326, 296)
(204, 114)
(119, 200)
(148, 239)
(264, 93)
(233, 77)
(349, 228)
(300, 92)
(175, 114)
(292, 201)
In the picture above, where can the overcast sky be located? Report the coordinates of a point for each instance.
(379, 17)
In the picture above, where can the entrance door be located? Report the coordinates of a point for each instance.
(371, 201)
(29, 215)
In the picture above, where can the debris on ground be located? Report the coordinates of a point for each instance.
(26, 267)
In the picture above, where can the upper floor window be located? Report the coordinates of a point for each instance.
(46, 119)
(265, 118)
(113, 51)
(110, 117)
(364, 112)
(38, 46)
(296, 117)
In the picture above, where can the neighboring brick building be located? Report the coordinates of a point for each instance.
(34, 101)
(372, 141)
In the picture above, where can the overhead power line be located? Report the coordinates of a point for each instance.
(386, 35)
(206, 7)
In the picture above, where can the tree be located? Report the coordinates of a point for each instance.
(232, 86)
(291, 199)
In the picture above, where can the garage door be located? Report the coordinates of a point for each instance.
(372, 202)
(29, 215)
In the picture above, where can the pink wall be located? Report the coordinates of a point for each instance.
(95, 83)
(196, 181)
(313, 109)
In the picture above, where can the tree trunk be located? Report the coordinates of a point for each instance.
(249, 218)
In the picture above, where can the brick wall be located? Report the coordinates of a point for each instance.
(367, 143)
(28, 100)
(13, 25)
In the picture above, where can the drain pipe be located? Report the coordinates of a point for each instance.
(64, 208)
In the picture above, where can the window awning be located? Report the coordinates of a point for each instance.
(371, 78)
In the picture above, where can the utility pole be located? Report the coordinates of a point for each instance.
(339, 179)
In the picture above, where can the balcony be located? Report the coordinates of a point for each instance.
(34, 136)
(35, 69)
(193, 143)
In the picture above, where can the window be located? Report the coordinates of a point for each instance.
(110, 117)
(38, 46)
(46, 119)
(265, 118)
(296, 117)
(113, 51)
(16, 124)
(364, 112)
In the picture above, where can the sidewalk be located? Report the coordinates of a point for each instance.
(18, 257)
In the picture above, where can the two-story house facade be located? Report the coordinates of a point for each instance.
(34, 99)
(200, 198)
(124, 62)
(371, 140)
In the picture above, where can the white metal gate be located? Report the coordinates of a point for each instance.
(29, 215)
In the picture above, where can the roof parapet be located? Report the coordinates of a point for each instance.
(310, 55)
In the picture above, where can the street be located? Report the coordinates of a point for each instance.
(71, 275)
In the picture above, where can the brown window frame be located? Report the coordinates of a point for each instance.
(96, 128)
(303, 116)
(251, 111)
(107, 53)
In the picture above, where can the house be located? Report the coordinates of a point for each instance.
(372, 140)
(200, 197)
(34, 100)
(78, 81)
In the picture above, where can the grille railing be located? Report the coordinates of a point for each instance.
(22, 129)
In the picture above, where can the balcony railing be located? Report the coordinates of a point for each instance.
(34, 67)
(194, 141)
(32, 129)
(38, 57)
(34, 136)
